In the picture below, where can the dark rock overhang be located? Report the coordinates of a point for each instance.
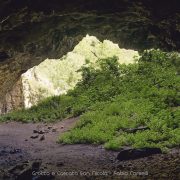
(32, 30)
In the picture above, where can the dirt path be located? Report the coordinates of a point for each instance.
(23, 146)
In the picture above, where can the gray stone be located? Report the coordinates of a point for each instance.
(130, 154)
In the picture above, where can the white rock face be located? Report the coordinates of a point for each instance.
(57, 76)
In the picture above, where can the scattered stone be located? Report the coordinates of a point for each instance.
(133, 130)
(129, 165)
(49, 163)
(54, 130)
(41, 132)
(2, 152)
(120, 166)
(101, 147)
(34, 136)
(62, 127)
(35, 131)
(42, 138)
(14, 151)
(49, 127)
(60, 164)
(36, 165)
(137, 153)
(112, 160)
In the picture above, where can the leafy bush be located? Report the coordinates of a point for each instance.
(143, 94)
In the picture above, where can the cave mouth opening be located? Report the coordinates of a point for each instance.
(54, 77)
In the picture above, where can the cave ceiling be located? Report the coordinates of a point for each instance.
(32, 30)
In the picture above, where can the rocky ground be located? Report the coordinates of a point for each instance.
(29, 151)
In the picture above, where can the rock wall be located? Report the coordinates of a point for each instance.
(14, 99)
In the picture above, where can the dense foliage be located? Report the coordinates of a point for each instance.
(113, 99)
(126, 97)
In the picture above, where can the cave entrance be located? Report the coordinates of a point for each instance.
(54, 77)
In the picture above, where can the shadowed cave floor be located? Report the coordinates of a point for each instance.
(24, 147)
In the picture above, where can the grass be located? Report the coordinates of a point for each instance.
(113, 98)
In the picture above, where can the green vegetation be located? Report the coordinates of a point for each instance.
(126, 97)
(114, 98)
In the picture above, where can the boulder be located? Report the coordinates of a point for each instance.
(133, 130)
(34, 136)
(42, 138)
(130, 154)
